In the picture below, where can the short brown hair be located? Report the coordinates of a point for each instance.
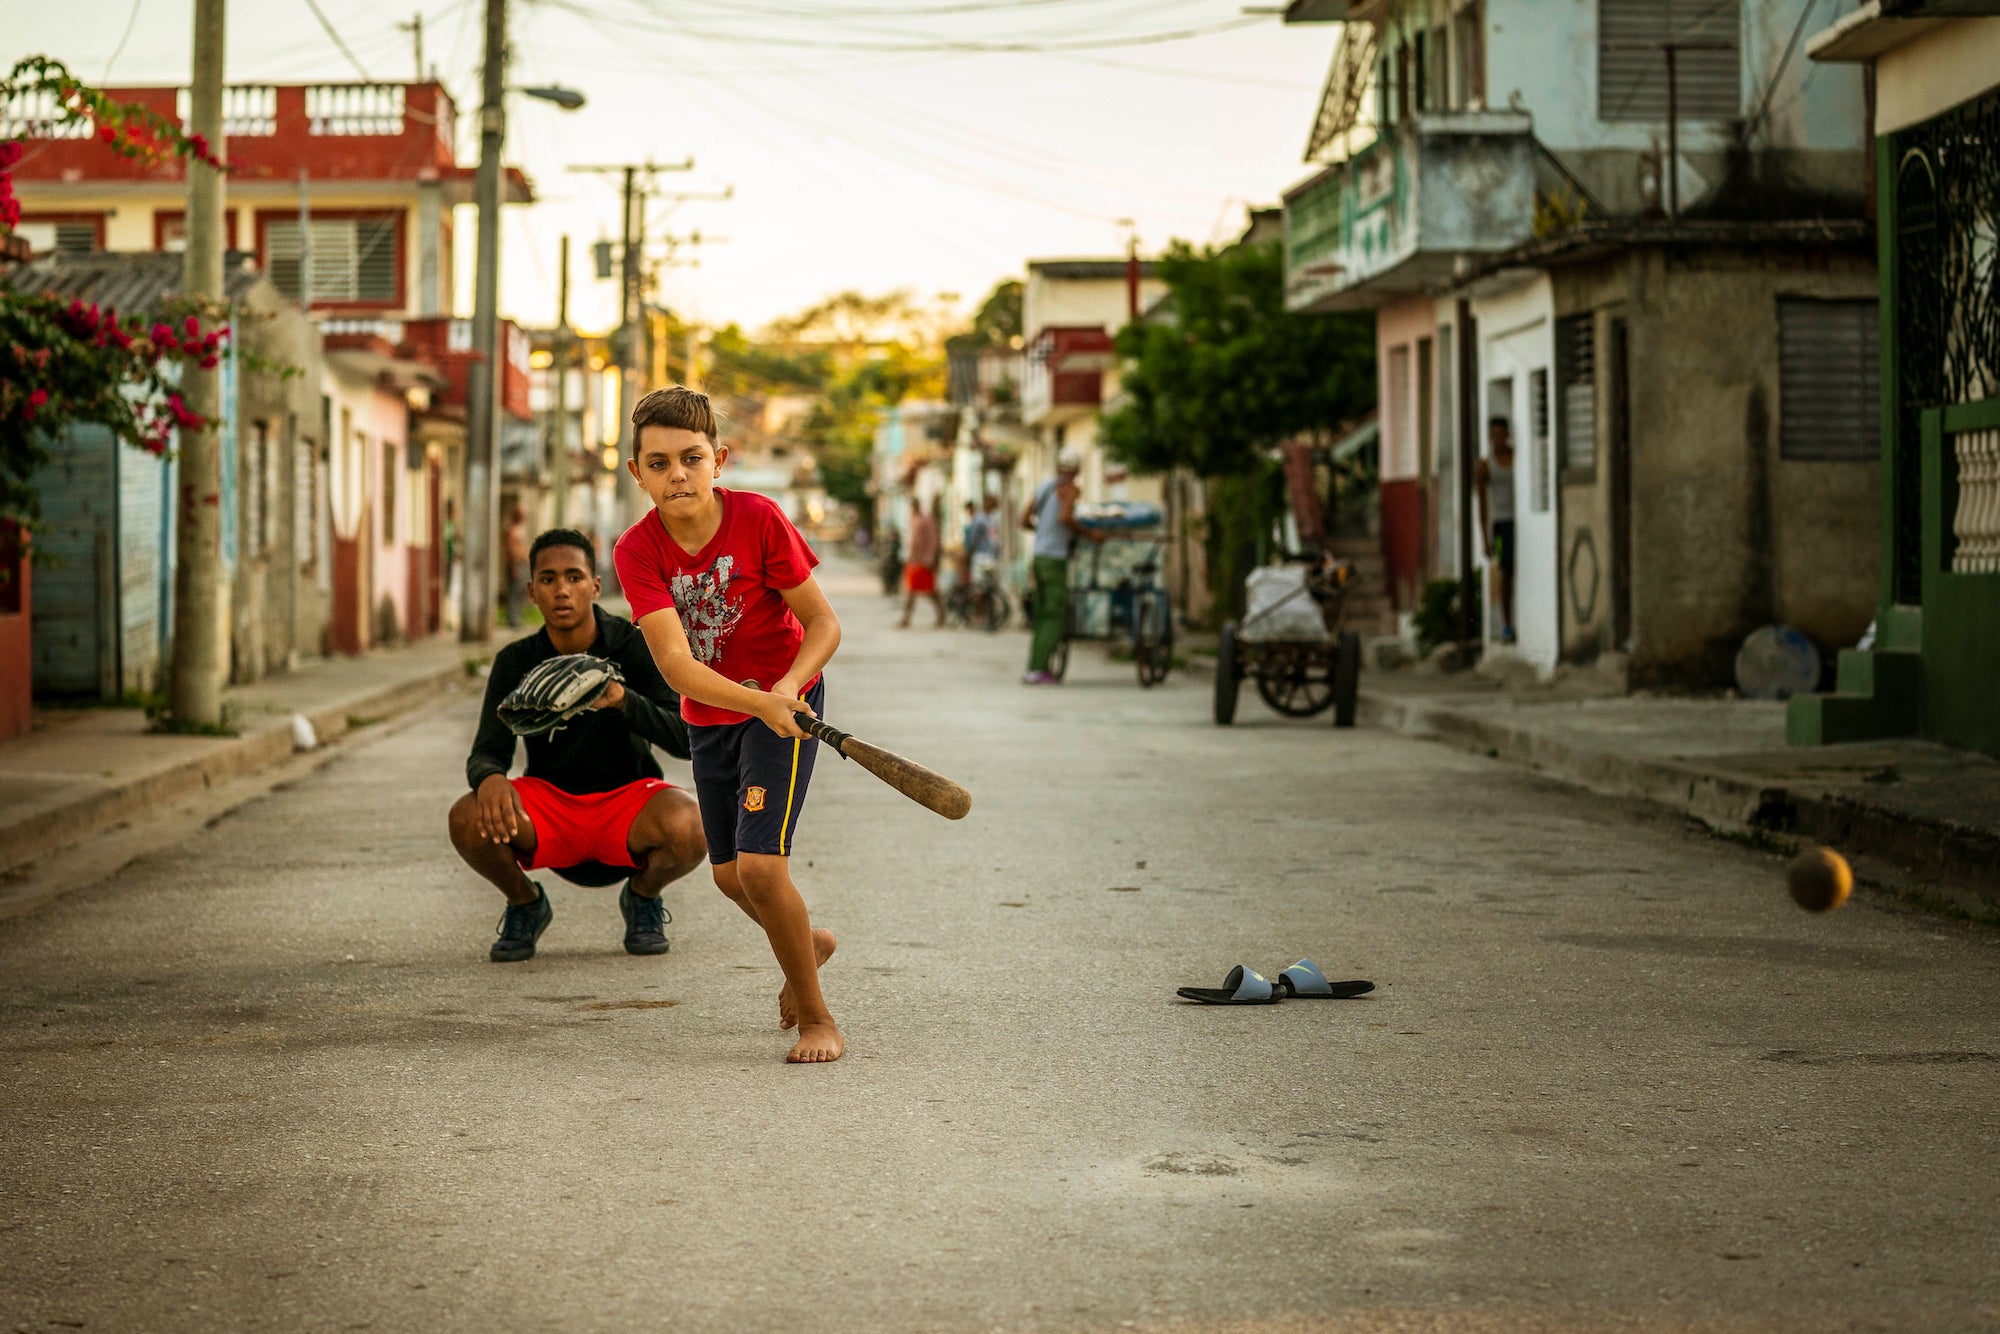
(676, 407)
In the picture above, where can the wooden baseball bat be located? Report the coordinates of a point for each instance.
(921, 785)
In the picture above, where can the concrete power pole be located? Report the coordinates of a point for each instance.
(559, 363)
(201, 594)
(482, 491)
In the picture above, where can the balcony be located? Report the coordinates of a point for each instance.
(1062, 376)
(1395, 219)
(355, 133)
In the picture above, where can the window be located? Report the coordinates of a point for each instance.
(1829, 380)
(256, 495)
(1576, 381)
(62, 236)
(1538, 439)
(170, 230)
(388, 491)
(1468, 52)
(353, 260)
(1632, 37)
(305, 502)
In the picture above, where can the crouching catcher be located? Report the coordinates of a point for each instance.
(593, 806)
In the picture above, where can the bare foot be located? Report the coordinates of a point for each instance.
(823, 946)
(817, 1042)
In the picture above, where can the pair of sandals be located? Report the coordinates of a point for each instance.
(1302, 981)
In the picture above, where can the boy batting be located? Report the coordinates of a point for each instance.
(721, 585)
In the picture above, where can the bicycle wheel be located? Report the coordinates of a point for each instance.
(1228, 676)
(1151, 650)
(992, 615)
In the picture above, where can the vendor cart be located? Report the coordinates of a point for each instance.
(1115, 590)
(1290, 642)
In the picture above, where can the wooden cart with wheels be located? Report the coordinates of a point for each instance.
(1297, 676)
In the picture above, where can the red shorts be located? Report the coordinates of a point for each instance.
(571, 830)
(920, 578)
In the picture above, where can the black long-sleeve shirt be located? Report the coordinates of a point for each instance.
(599, 749)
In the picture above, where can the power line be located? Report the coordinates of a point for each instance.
(131, 21)
(326, 23)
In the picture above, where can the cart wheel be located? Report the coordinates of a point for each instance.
(1151, 654)
(1346, 678)
(1296, 685)
(995, 615)
(1228, 676)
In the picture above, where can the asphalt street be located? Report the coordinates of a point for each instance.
(265, 1078)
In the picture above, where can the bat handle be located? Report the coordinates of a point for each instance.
(820, 731)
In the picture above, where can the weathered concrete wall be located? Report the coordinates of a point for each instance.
(1726, 535)
(279, 613)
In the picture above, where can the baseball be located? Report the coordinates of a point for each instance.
(1820, 880)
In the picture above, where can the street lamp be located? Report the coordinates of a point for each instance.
(569, 99)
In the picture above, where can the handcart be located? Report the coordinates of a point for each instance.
(1291, 644)
(1115, 589)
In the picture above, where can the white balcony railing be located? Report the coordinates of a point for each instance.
(1976, 524)
(33, 115)
(249, 110)
(391, 330)
(355, 108)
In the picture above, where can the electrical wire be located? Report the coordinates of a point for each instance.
(131, 22)
(327, 23)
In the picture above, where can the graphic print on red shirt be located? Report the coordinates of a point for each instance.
(728, 595)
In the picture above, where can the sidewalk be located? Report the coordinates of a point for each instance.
(1918, 810)
(81, 771)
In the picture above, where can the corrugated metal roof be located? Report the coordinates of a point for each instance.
(131, 281)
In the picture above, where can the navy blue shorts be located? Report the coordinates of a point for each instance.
(751, 784)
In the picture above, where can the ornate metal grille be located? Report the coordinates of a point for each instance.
(1947, 294)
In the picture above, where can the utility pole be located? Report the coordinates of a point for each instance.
(482, 492)
(631, 296)
(415, 27)
(559, 361)
(201, 594)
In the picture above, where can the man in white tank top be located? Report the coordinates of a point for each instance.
(1495, 480)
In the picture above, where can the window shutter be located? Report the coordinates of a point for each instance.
(1538, 444)
(375, 260)
(1576, 374)
(1829, 380)
(1632, 61)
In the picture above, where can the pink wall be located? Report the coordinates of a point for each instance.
(388, 422)
(1400, 326)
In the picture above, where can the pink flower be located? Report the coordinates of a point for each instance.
(192, 327)
(210, 362)
(34, 403)
(10, 152)
(162, 335)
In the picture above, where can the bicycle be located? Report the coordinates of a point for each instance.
(980, 602)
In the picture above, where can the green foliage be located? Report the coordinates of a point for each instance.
(997, 323)
(1228, 371)
(1440, 613)
(1220, 374)
(64, 364)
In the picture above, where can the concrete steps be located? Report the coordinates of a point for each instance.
(1878, 692)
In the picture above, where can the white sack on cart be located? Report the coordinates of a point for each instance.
(1280, 608)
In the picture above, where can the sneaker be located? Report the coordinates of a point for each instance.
(1037, 679)
(520, 927)
(645, 922)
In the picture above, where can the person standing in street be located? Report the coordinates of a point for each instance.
(1051, 515)
(920, 574)
(514, 593)
(1495, 480)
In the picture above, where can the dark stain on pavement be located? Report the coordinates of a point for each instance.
(1737, 948)
(1790, 1056)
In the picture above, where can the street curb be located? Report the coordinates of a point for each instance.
(1961, 862)
(53, 830)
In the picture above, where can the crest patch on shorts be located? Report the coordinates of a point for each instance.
(753, 799)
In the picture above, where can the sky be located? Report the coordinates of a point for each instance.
(877, 145)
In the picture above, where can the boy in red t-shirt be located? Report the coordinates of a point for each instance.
(721, 585)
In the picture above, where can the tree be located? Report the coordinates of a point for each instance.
(62, 364)
(997, 323)
(1221, 373)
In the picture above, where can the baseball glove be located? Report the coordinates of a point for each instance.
(556, 690)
